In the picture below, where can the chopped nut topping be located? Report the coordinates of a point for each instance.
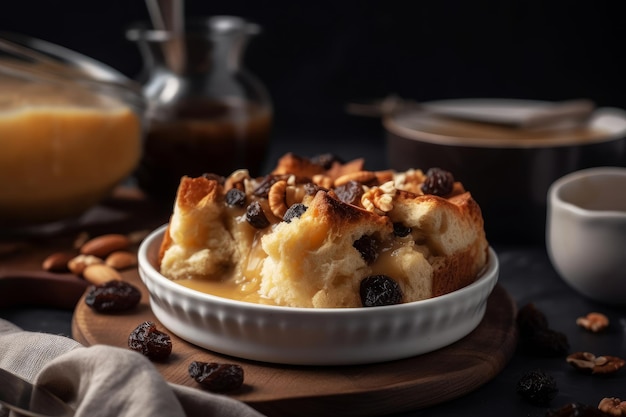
(613, 406)
(594, 322)
(322, 181)
(237, 177)
(589, 362)
(276, 198)
(379, 199)
(388, 188)
(361, 176)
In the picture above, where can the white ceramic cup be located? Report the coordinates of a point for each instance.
(586, 232)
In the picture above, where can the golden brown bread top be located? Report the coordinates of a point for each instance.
(331, 210)
(312, 258)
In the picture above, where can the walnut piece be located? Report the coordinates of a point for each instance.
(588, 362)
(379, 199)
(613, 406)
(594, 322)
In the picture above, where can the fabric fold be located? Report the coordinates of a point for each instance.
(105, 380)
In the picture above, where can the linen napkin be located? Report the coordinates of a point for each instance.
(104, 380)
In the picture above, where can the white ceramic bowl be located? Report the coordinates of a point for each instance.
(586, 232)
(307, 336)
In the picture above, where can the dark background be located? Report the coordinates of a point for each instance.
(316, 56)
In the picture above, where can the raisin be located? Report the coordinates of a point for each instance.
(326, 160)
(368, 247)
(150, 342)
(217, 376)
(576, 410)
(438, 182)
(264, 186)
(536, 337)
(350, 192)
(255, 216)
(545, 343)
(296, 210)
(401, 230)
(530, 319)
(537, 387)
(112, 296)
(235, 197)
(380, 290)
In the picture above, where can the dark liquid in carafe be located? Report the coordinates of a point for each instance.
(202, 137)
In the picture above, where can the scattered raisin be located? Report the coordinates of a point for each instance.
(546, 343)
(235, 197)
(350, 192)
(537, 387)
(112, 296)
(576, 410)
(368, 248)
(401, 230)
(326, 160)
(380, 290)
(255, 216)
(296, 210)
(217, 376)
(536, 337)
(530, 319)
(438, 182)
(149, 341)
(263, 189)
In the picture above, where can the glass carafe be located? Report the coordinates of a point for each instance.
(206, 113)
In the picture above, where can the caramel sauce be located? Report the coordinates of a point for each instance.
(248, 291)
(246, 287)
(199, 137)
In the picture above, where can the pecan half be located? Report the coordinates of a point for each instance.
(594, 322)
(364, 177)
(613, 406)
(588, 362)
(323, 181)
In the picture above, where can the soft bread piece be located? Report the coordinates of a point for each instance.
(313, 260)
(198, 243)
(452, 233)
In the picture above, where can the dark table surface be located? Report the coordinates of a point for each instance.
(526, 273)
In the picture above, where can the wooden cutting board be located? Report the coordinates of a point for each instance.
(272, 389)
(368, 390)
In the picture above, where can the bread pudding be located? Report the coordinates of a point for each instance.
(318, 232)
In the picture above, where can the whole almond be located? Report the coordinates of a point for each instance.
(78, 264)
(57, 262)
(98, 274)
(121, 259)
(103, 245)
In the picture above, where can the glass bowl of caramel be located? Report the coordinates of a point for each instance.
(68, 135)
